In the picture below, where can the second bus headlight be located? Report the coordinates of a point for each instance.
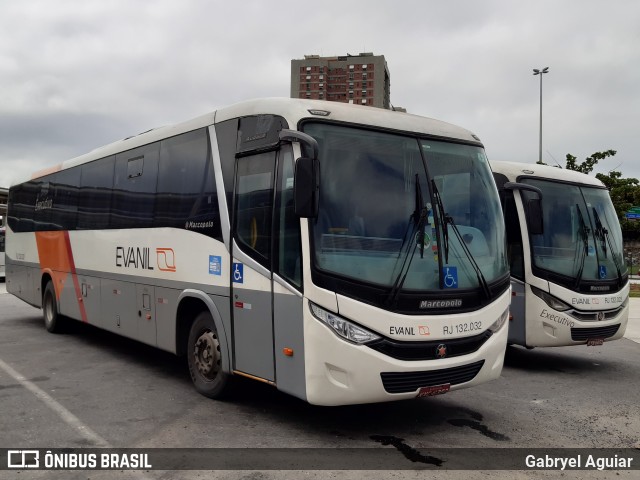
(344, 328)
(550, 300)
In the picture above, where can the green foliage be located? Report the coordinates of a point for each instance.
(624, 192)
(589, 163)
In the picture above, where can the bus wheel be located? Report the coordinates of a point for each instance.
(205, 358)
(52, 321)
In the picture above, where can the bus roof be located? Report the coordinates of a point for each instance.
(292, 110)
(515, 170)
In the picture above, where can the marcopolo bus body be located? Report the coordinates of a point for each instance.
(343, 254)
(569, 279)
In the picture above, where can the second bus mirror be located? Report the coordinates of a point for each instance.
(534, 216)
(306, 187)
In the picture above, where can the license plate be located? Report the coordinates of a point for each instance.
(434, 390)
(594, 342)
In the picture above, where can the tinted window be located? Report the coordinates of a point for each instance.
(514, 237)
(64, 208)
(186, 195)
(259, 132)
(22, 201)
(95, 194)
(166, 184)
(289, 247)
(254, 200)
(134, 187)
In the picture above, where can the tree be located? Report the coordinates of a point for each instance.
(624, 192)
(589, 163)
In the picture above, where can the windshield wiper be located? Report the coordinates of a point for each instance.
(583, 232)
(603, 235)
(447, 220)
(443, 218)
(418, 219)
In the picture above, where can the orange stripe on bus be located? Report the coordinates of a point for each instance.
(46, 171)
(56, 257)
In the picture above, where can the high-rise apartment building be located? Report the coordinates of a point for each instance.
(360, 79)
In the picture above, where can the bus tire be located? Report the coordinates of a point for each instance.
(52, 319)
(204, 357)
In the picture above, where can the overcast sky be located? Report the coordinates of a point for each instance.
(78, 74)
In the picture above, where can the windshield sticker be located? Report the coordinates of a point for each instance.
(450, 277)
(602, 272)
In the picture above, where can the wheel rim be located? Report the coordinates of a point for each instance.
(206, 355)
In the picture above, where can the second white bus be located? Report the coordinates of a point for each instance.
(569, 279)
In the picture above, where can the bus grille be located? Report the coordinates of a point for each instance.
(580, 334)
(593, 316)
(403, 382)
(429, 350)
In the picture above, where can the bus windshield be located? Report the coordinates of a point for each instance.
(581, 239)
(384, 198)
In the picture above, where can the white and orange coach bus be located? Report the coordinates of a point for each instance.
(341, 253)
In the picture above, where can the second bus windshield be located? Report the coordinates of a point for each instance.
(581, 239)
(373, 187)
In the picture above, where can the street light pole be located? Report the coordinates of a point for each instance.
(540, 72)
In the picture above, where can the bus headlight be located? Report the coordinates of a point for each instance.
(550, 300)
(497, 325)
(344, 328)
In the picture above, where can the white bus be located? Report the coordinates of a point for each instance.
(568, 276)
(340, 253)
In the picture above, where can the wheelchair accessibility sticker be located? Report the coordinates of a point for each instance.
(602, 272)
(450, 277)
(238, 273)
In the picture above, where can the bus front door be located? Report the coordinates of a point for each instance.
(251, 271)
(267, 272)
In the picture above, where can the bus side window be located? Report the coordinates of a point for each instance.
(96, 182)
(134, 187)
(254, 202)
(514, 237)
(287, 230)
(186, 193)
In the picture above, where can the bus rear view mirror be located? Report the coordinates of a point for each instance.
(306, 187)
(533, 206)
